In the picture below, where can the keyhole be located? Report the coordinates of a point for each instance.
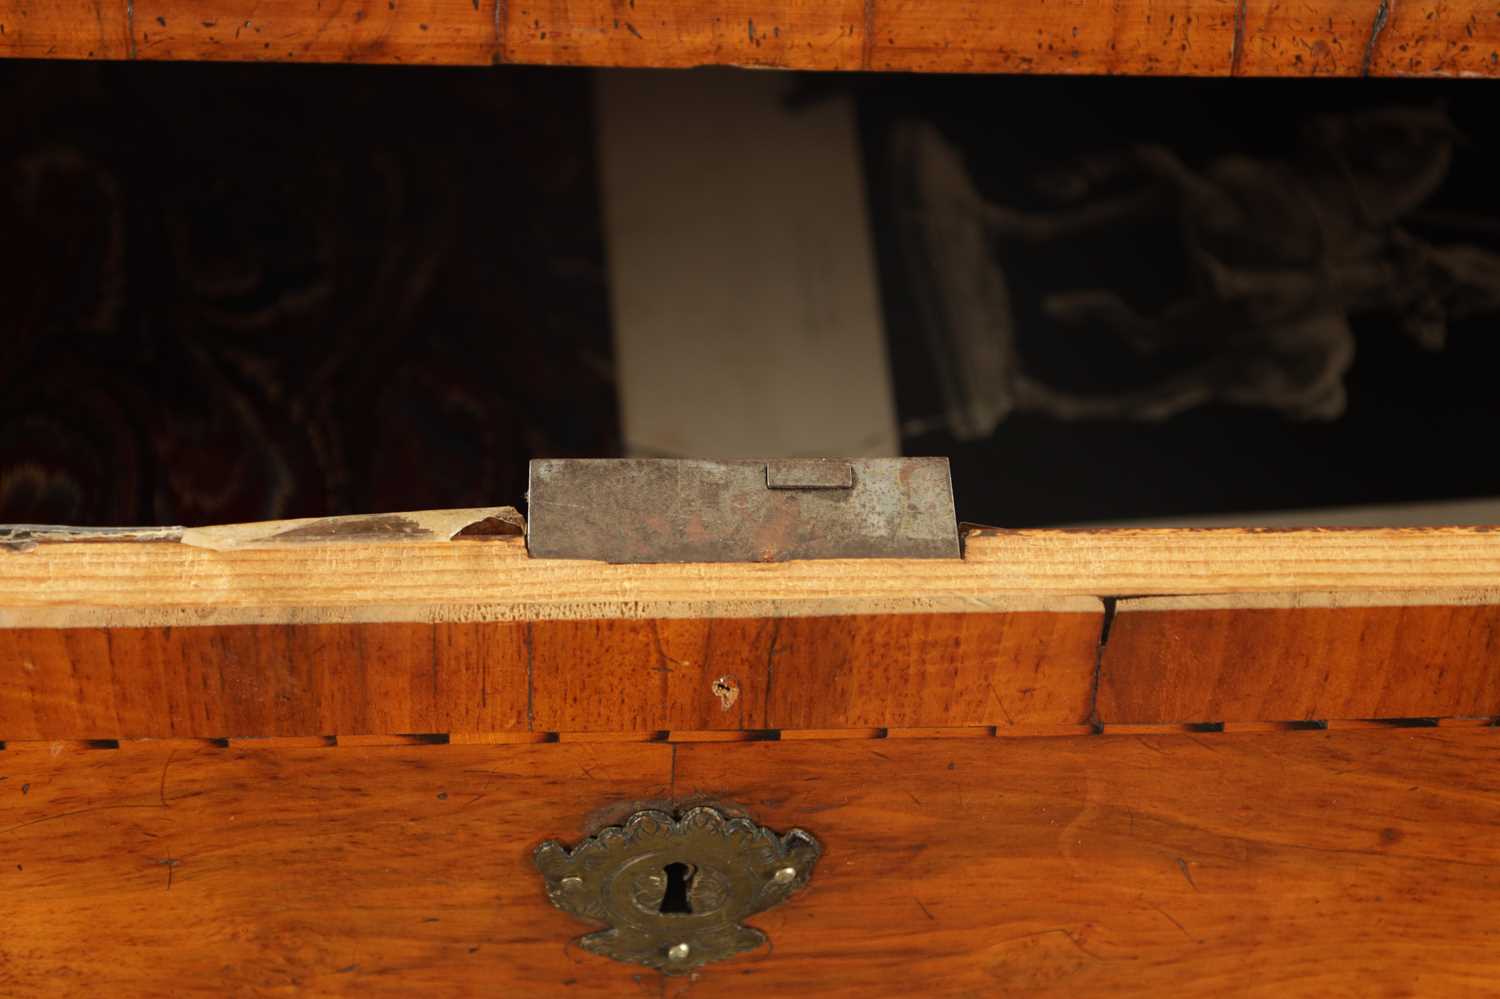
(679, 877)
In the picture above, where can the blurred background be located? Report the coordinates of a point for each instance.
(240, 293)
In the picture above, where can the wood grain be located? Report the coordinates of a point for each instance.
(262, 680)
(935, 670)
(649, 675)
(1353, 863)
(1171, 660)
(768, 33)
(65, 29)
(326, 872)
(123, 584)
(1004, 670)
(1186, 37)
(1183, 37)
(1434, 39)
(1356, 863)
(1026, 669)
(1293, 39)
(452, 32)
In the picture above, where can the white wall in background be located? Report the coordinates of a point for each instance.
(1482, 512)
(742, 275)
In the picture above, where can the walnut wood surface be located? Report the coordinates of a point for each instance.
(1180, 37)
(1273, 864)
(262, 680)
(1168, 663)
(1350, 863)
(283, 871)
(940, 670)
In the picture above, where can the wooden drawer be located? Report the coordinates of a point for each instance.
(1072, 763)
(1343, 861)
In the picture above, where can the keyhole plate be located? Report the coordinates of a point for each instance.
(674, 888)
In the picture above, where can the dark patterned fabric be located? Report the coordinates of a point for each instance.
(235, 293)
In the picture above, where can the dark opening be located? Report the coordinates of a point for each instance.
(679, 877)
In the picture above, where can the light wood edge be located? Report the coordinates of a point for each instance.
(128, 584)
(81, 616)
(1310, 600)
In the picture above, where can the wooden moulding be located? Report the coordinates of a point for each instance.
(1295, 657)
(1268, 864)
(914, 670)
(440, 624)
(435, 567)
(1149, 37)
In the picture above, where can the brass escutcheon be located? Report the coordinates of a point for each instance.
(674, 889)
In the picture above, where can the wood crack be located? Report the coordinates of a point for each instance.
(130, 52)
(765, 708)
(1237, 52)
(1382, 15)
(1105, 623)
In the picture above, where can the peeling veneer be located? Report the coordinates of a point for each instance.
(475, 523)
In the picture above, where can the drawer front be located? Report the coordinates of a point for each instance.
(1200, 863)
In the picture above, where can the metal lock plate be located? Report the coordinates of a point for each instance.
(674, 890)
(649, 510)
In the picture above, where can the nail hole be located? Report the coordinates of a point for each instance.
(727, 690)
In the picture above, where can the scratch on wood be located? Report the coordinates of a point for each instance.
(502, 27)
(65, 815)
(130, 29)
(162, 789)
(867, 44)
(1182, 865)
(528, 637)
(1009, 720)
(1237, 53)
(1169, 918)
(1382, 14)
(432, 631)
(1072, 939)
(171, 865)
(765, 707)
